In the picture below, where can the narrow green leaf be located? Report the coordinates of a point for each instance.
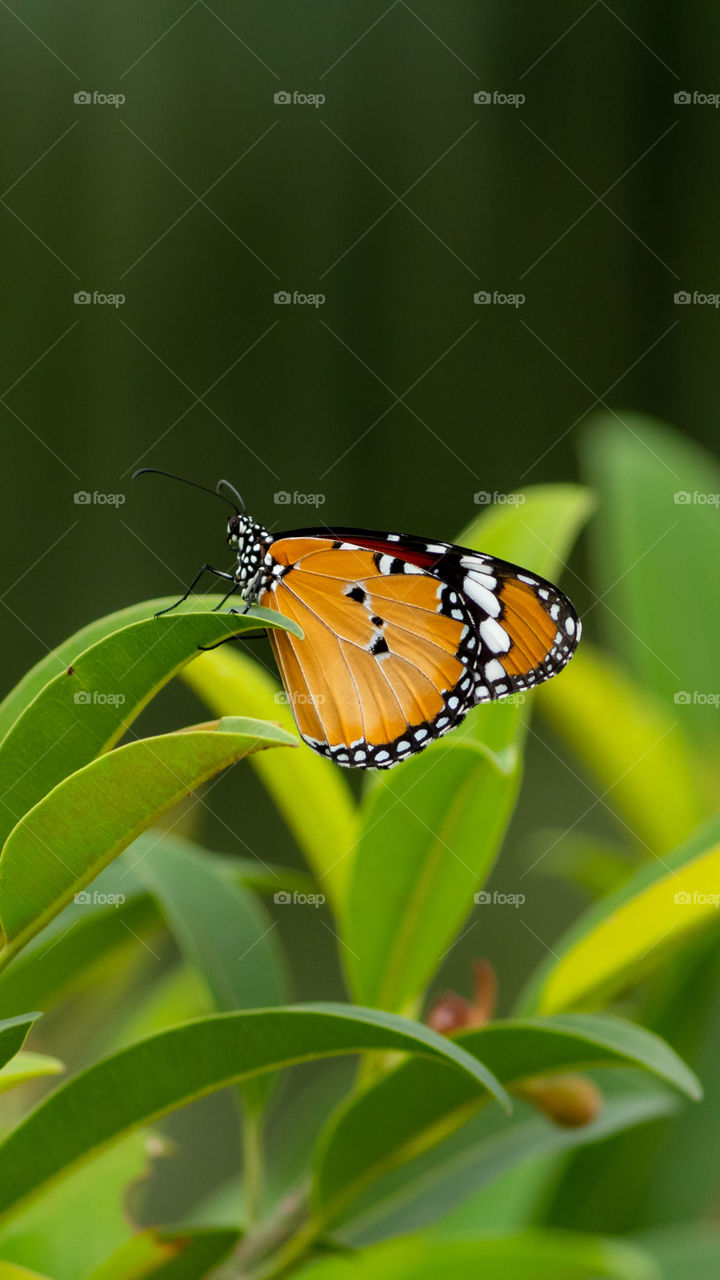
(428, 837)
(527, 1255)
(484, 1149)
(311, 793)
(167, 1255)
(629, 932)
(167, 1070)
(413, 1107)
(221, 929)
(28, 1066)
(84, 937)
(75, 1224)
(13, 1032)
(656, 544)
(634, 747)
(61, 844)
(83, 711)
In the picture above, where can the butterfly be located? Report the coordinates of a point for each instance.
(402, 635)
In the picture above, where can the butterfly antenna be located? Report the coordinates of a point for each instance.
(171, 476)
(227, 485)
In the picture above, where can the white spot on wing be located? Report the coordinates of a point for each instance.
(494, 671)
(496, 637)
(480, 594)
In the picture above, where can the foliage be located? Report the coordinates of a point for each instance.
(403, 1165)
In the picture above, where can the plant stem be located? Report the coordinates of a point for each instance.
(252, 1148)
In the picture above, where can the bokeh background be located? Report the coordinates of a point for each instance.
(585, 188)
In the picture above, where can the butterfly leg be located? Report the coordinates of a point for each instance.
(206, 568)
(227, 596)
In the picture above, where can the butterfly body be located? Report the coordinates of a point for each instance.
(402, 635)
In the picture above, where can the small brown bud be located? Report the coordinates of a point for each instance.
(571, 1101)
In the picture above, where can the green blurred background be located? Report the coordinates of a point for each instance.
(399, 398)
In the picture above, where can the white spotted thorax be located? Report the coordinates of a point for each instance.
(254, 571)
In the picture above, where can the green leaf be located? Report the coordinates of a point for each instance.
(13, 1032)
(634, 747)
(628, 933)
(527, 1255)
(167, 1070)
(311, 793)
(221, 929)
(427, 838)
(484, 1149)
(28, 1066)
(411, 1108)
(83, 711)
(167, 1255)
(83, 938)
(82, 1218)
(655, 558)
(430, 830)
(61, 844)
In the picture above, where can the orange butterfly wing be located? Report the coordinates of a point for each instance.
(380, 659)
(401, 638)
